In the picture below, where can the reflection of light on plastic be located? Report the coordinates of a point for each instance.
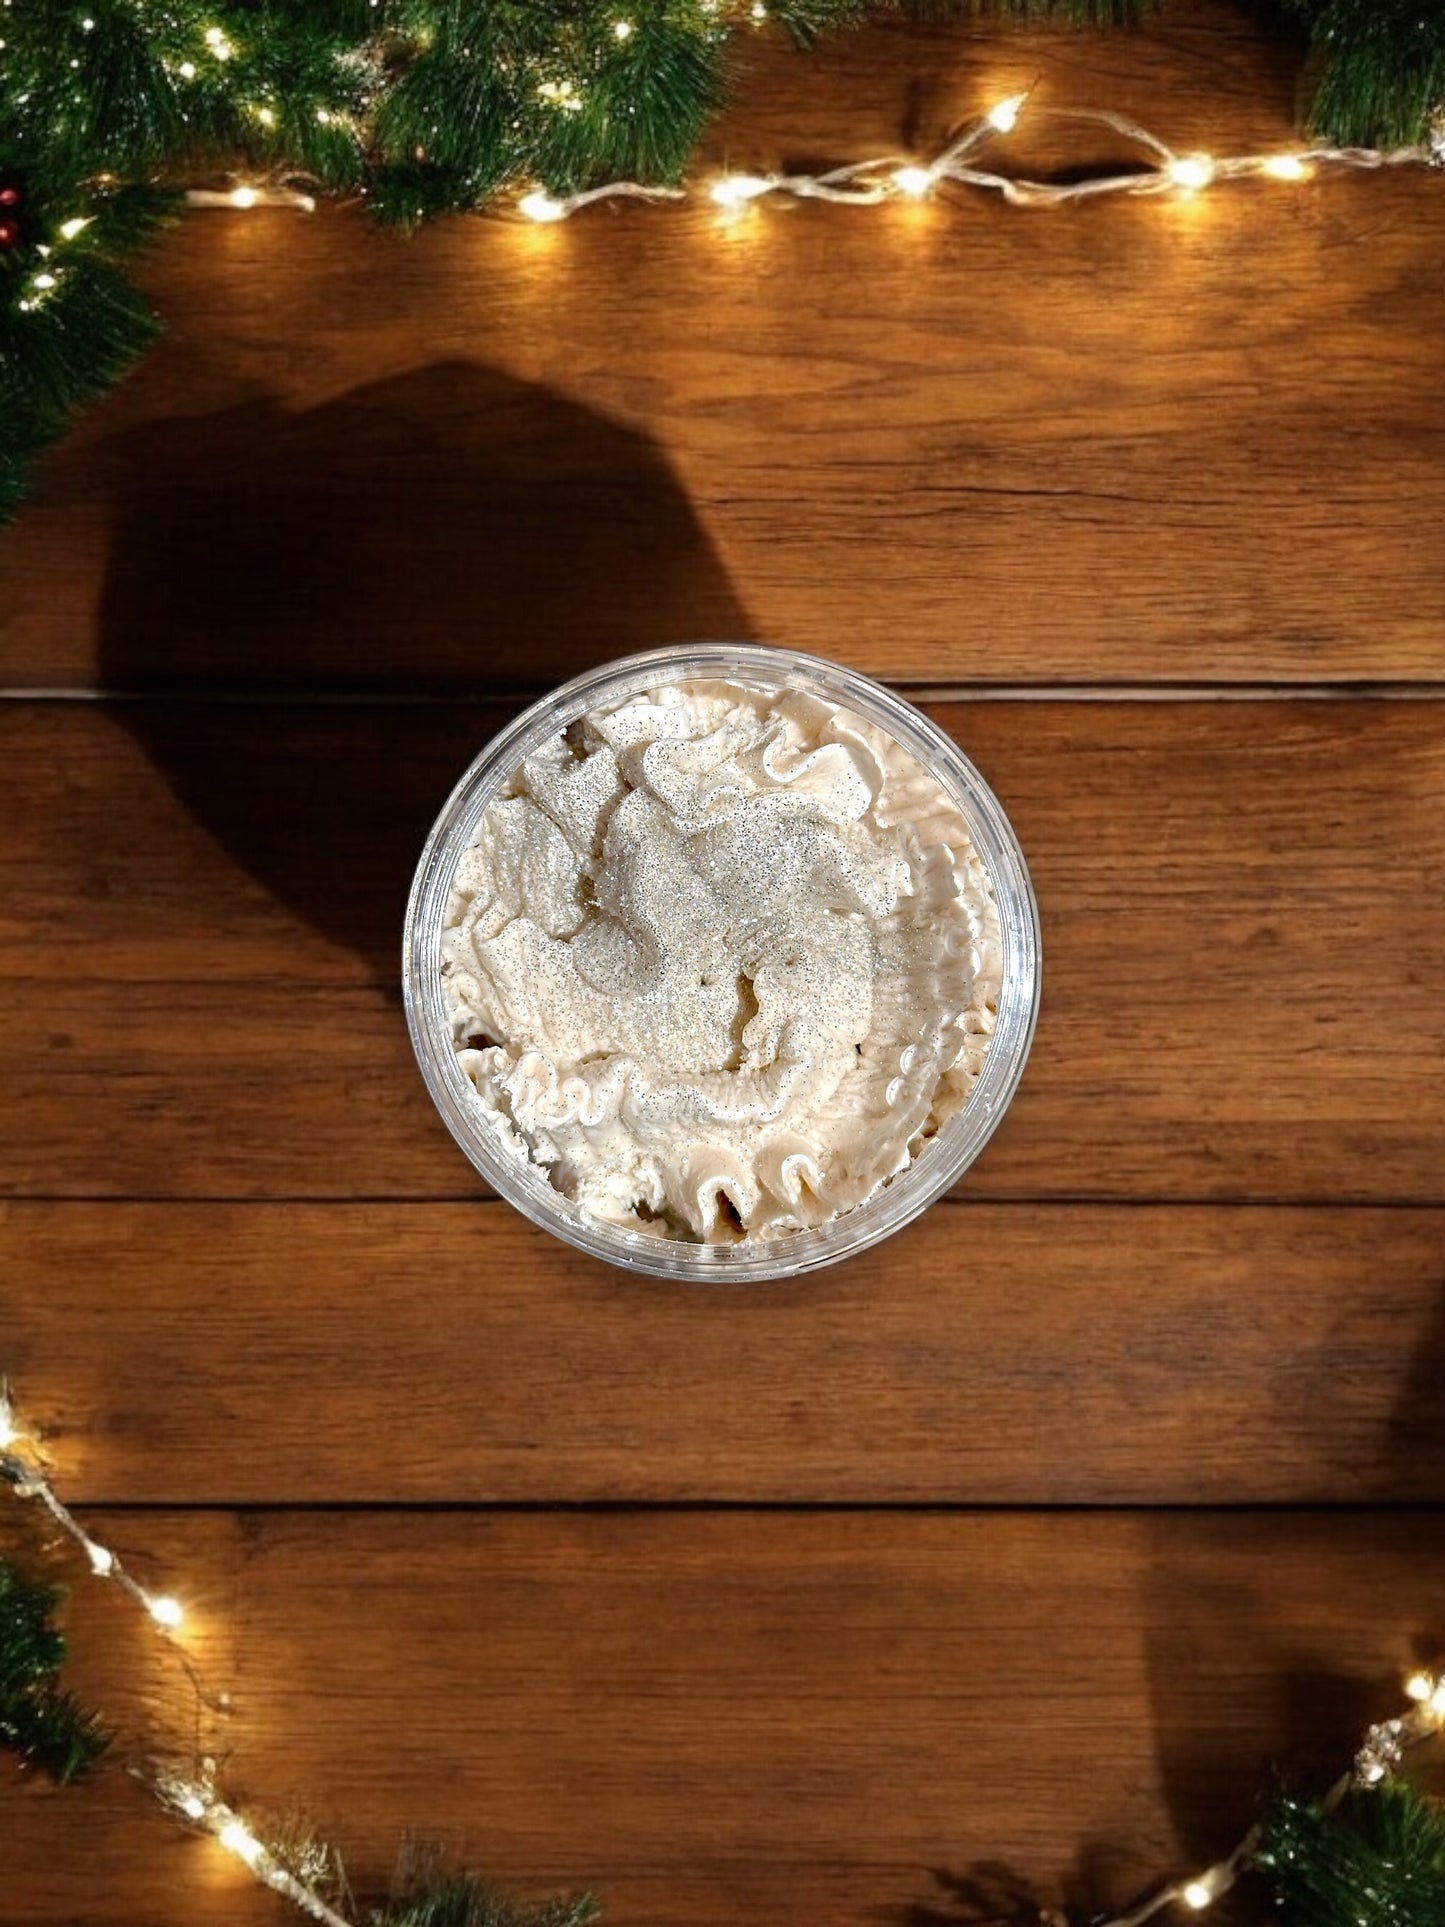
(1004, 117)
(541, 207)
(1192, 171)
(734, 189)
(913, 181)
(1286, 167)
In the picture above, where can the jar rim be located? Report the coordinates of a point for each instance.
(940, 1161)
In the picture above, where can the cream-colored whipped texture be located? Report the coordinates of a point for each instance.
(721, 960)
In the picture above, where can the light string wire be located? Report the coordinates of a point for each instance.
(194, 1798)
(894, 177)
(190, 1797)
(869, 183)
(897, 177)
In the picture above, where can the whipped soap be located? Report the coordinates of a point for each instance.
(720, 960)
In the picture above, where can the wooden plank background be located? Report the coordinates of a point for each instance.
(996, 1564)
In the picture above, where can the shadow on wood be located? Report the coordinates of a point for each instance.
(288, 552)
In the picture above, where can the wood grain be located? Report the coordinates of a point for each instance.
(991, 1354)
(728, 1717)
(1133, 441)
(1243, 919)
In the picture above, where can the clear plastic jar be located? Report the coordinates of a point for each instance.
(940, 1161)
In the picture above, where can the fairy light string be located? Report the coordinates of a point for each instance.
(193, 1797)
(893, 177)
(1158, 171)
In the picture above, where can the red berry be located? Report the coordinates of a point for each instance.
(11, 196)
(9, 233)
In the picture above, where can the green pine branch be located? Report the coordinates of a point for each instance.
(1379, 69)
(38, 1719)
(1377, 1860)
(463, 1900)
(433, 106)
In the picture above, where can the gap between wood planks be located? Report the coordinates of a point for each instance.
(1103, 692)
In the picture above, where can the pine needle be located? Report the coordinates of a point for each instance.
(38, 1719)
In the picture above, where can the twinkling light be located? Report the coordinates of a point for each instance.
(735, 189)
(195, 1799)
(865, 183)
(1191, 171)
(1003, 117)
(538, 206)
(237, 1838)
(913, 181)
(623, 29)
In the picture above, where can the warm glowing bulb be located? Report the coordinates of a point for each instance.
(165, 1611)
(913, 181)
(9, 1431)
(538, 206)
(43, 281)
(1005, 115)
(760, 12)
(1436, 1701)
(1286, 167)
(102, 1559)
(623, 29)
(734, 189)
(1419, 1686)
(266, 117)
(1196, 1894)
(187, 70)
(1191, 171)
(193, 1806)
(240, 1840)
(243, 197)
(69, 229)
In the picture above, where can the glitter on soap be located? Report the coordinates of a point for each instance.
(721, 960)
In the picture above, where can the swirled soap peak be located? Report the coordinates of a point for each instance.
(721, 960)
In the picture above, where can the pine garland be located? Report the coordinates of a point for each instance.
(107, 107)
(1376, 1860)
(1371, 1853)
(39, 1720)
